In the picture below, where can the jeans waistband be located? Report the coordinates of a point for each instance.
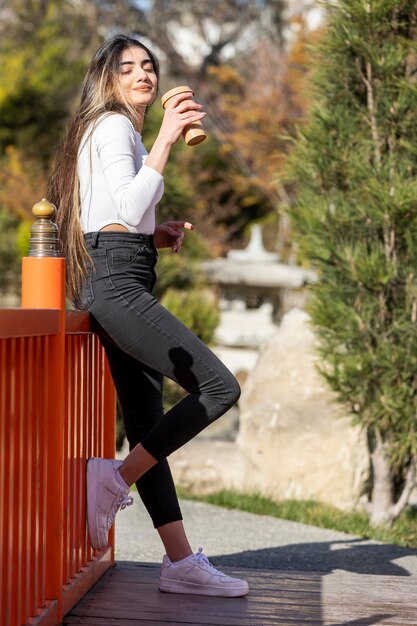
(93, 239)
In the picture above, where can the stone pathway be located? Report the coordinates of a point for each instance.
(240, 539)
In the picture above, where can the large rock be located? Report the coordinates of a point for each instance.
(205, 466)
(294, 439)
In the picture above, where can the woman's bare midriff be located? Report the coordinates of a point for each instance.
(115, 227)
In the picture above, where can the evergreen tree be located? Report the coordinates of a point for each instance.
(355, 216)
(44, 47)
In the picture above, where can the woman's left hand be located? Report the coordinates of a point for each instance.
(171, 235)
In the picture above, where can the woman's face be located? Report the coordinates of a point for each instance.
(137, 78)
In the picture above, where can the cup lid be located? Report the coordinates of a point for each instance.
(175, 92)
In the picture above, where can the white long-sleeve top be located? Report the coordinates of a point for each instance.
(116, 187)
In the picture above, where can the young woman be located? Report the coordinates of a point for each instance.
(106, 187)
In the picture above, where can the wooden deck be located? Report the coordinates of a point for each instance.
(127, 595)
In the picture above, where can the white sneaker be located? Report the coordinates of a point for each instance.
(196, 575)
(105, 496)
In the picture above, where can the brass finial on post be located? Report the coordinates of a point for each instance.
(44, 240)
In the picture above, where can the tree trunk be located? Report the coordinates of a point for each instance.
(382, 499)
(382, 508)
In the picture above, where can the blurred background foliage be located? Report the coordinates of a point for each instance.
(247, 63)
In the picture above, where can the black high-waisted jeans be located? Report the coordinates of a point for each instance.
(144, 342)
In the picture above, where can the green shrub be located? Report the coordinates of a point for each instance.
(197, 309)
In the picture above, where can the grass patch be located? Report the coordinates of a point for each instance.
(402, 532)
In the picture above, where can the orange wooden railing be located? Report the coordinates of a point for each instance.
(57, 408)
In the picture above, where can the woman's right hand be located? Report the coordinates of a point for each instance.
(180, 111)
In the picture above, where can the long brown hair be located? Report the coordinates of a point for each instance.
(100, 95)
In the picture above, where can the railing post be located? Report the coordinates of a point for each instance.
(43, 287)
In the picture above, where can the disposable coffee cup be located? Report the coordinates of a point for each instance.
(193, 133)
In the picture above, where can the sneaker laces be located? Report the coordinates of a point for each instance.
(203, 561)
(121, 503)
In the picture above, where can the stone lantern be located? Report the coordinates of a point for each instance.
(255, 291)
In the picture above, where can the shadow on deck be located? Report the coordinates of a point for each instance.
(127, 595)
